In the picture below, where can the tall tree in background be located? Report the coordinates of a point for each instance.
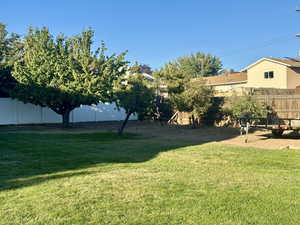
(135, 96)
(64, 73)
(10, 50)
(177, 74)
(199, 65)
(185, 94)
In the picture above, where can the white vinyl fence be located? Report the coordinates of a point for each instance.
(15, 112)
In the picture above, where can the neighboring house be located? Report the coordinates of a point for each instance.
(274, 73)
(264, 73)
(146, 77)
(227, 82)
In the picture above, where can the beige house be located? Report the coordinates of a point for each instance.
(264, 73)
(227, 82)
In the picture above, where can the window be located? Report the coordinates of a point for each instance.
(269, 75)
(266, 75)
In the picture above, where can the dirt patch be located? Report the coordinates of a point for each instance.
(228, 136)
(264, 139)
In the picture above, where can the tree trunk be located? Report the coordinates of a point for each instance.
(120, 132)
(66, 119)
(193, 122)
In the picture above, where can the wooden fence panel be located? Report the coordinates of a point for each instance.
(286, 106)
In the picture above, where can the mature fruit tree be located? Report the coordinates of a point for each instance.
(63, 73)
(135, 96)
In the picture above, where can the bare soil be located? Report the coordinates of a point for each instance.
(228, 136)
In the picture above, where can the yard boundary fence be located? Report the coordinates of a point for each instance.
(13, 112)
(286, 106)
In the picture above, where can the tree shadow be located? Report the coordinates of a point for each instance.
(28, 159)
(25, 182)
(286, 135)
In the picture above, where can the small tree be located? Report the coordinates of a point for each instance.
(239, 105)
(236, 107)
(64, 73)
(135, 96)
(196, 99)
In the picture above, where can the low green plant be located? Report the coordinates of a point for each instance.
(196, 99)
(237, 106)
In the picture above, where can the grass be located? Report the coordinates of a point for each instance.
(100, 178)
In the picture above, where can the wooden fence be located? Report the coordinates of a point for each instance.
(285, 106)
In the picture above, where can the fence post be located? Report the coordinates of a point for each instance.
(247, 130)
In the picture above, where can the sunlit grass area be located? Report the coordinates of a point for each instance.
(100, 178)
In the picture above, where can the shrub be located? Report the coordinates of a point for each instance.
(239, 106)
(196, 100)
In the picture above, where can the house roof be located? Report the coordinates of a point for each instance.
(227, 78)
(289, 62)
(145, 75)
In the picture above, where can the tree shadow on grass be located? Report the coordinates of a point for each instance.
(25, 182)
(28, 159)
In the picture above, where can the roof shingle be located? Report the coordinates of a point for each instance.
(227, 78)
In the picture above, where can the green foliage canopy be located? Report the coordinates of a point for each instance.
(134, 95)
(199, 65)
(10, 46)
(64, 73)
(195, 99)
(178, 73)
(237, 106)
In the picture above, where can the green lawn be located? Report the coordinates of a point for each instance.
(99, 178)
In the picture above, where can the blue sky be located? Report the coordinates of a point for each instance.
(157, 31)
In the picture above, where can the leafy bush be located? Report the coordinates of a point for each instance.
(135, 96)
(195, 99)
(238, 106)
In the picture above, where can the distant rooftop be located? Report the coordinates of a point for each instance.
(289, 62)
(227, 78)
